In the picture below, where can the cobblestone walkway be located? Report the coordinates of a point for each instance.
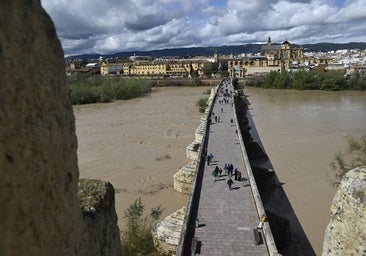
(226, 217)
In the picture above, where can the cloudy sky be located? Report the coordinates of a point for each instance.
(109, 26)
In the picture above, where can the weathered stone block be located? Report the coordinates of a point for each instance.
(200, 132)
(167, 232)
(346, 232)
(184, 177)
(192, 150)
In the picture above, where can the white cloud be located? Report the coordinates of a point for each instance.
(353, 10)
(85, 26)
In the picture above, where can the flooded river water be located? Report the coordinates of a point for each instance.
(139, 144)
(301, 132)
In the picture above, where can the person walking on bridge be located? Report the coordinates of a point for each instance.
(215, 172)
(230, 169)
(229, 183)
(209, 158)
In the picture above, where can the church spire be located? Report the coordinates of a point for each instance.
(269, 42)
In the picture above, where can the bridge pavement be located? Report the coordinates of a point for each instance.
(226, 217)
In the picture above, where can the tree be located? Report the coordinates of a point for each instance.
(283, 80)
(137, 238)
(269, 79)
(303, 80)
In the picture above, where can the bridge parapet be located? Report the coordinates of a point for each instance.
(200, 131)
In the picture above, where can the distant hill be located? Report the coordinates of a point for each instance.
(324, 47)
(223, 50)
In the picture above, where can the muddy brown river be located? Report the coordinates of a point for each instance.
(139, 144)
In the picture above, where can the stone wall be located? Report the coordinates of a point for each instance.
(167, 232)
(40, 213)
(100, 218)
(346, 232)
(183, 178)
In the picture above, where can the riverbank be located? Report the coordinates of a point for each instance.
(86, 89)
(305, 80)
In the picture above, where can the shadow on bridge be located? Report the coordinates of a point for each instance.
(287, 231)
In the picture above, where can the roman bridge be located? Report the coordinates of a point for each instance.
(220, 221)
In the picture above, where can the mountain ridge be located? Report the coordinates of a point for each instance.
(223, 50)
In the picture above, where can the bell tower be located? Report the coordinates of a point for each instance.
(216, 57)
(269, 42)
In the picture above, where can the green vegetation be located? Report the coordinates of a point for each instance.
(92, 89)
(202, 104)
(137, 238)
(304, 80)
(196, 82)
(357, 155)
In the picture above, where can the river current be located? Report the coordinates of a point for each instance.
(301, 132)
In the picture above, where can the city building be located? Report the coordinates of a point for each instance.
(273, 57)
(111, 69)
